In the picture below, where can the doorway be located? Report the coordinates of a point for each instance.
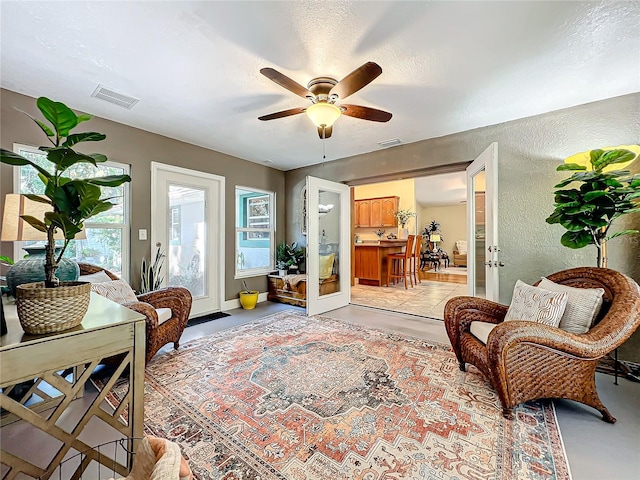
(440, 223)
(187, 211)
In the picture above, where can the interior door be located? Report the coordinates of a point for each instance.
(482, 225)
(187, 211)
(328, 245)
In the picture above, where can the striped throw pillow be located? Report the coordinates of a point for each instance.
(535, 304)
(118, 291)
(583, 305)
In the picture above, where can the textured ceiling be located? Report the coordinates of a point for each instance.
(447, 66)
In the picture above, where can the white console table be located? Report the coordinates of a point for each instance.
(53, 410)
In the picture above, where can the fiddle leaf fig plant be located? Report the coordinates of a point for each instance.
(601, 194)
(73, 200)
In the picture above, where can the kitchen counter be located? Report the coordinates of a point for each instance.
(371, 260)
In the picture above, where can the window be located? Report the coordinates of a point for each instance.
(255, 231)
(107, 242)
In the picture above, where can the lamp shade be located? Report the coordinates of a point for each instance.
(323, 114)
(434, 237)
(14, 228)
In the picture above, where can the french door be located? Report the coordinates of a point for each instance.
(328, 245)
(187, 212)
(483, 261)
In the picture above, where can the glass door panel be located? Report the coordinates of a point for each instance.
(186, 224)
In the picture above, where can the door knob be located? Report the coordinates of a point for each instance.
(489, 264)
(501, 264)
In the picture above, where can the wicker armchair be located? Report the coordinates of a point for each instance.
(178, 299)
(528, 361)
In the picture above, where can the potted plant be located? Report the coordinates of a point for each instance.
(288, 257)
(403, 216)
(248, 298)
(604, 193)
(73, 200)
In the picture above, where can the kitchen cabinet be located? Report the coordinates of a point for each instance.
(363, 213)
(376, 212)
(371, 261)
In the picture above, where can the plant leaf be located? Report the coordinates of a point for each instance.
(37, 198)
(576, 239)
(83, 137)
(10, 158)
(109, 180)
(594, 194)
(570, 166)
(36, 223)
(59, 115)
(623, 232)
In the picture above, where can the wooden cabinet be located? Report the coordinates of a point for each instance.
(376, 212)
(362, 213)
(371, 262)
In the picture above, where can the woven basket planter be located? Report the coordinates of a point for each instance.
(47, 310)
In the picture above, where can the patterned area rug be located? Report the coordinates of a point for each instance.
(291, 397)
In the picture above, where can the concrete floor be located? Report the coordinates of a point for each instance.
(596, 450)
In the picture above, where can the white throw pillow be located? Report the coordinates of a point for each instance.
(583, 305)
(164, 314)
(117, 290)
(481, 330)
(535, 304)
(98, 277)
(461, 247)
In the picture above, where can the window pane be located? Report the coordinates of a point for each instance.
(254, 231)
(252, 255)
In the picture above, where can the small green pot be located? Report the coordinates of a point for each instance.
(248, 300)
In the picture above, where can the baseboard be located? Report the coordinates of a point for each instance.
(235, 303)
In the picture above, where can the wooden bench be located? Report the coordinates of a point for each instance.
(292, 289)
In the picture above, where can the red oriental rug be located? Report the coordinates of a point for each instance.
(291, 397)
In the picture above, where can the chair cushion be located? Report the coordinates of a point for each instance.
(535, 304)
(118, 291)
(583, 305)
(98, 277)
(326, 265)
(481, 330)
(461, 247)
(164, 314)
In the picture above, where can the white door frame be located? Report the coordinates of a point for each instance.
(216, 220)
(317, 304)
(487, 161)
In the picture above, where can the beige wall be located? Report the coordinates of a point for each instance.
(529, 150)
(139, 148)
(452, 220)
(404, 189)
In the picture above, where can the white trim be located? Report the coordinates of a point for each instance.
(235, 303)
(155, 167)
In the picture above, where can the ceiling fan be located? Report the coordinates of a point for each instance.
(324, 92)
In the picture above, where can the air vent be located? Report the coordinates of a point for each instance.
(390, 143)
(116, 98)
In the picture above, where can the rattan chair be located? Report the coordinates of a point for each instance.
(177, 299)
(528, 361)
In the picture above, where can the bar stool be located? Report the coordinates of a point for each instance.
(415, 259)
(400, 264)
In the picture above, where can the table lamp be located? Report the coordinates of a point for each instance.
(15, 229)
(435, 238)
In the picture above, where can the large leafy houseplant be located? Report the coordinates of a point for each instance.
(73, 200)
(601, 195)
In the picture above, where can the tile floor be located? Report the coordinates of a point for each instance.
(426, 299)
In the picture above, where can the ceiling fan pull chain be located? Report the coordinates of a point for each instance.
(324, 141)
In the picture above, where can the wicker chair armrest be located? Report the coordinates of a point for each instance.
(508, 334)
(148, 311)
(461, 311)
(178, 299)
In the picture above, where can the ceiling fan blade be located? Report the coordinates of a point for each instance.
(365, 113)
(286, 82)
(356, 80)
(284, 113)
(327, 132)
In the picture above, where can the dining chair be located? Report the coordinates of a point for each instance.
(399, 265)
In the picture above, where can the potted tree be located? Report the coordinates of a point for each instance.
(604, 193)
(72, 201)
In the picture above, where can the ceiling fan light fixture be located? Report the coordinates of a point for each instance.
(323, 114)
